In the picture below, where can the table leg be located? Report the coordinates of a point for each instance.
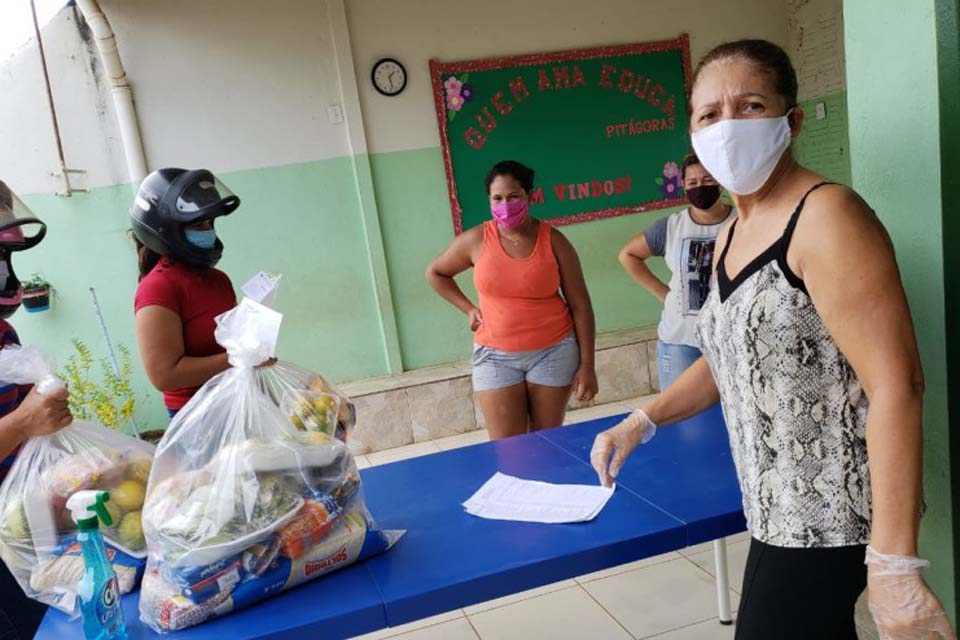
(723, 580)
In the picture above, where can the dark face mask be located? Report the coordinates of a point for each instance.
(10, 289)
(705, 196)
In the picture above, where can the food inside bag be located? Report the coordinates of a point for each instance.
(309, 401)
(37, 533)
(253, 490)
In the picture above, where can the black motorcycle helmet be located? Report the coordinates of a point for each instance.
(171, 199)
(19, 230)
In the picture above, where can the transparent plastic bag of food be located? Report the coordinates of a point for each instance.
(37, 533)
(241, 503)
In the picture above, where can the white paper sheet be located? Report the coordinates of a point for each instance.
(505, 497)
(262, 288)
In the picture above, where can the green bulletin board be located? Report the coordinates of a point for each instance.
(605, 129)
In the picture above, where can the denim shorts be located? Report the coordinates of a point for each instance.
(673, 360)
(551, 367)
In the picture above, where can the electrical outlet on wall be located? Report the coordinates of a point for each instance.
(821, 110)
(335, 113)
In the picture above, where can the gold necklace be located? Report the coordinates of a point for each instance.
(504, 234)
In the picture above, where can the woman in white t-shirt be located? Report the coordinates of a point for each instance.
(686, 240)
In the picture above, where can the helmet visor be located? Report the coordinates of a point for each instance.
(203, 196)
(19, 228)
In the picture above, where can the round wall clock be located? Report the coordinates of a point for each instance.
(388, 76)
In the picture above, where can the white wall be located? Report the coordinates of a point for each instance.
(231, 85)
(816, 46)
(236, 85)
(414, 32)
(216, 83)
(84, 110)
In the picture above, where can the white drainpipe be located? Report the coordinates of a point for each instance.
(122, 93)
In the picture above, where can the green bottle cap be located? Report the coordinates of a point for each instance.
(99, 513)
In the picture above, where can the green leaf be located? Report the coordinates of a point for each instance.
(451, 114)
(464, 77)
(659, 181)
(109, 400)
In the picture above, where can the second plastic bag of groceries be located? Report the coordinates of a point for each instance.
(38, 538)
(242, 503)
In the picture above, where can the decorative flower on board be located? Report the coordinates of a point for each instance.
(669, 184)
(458, 93)
(453, 86)
(455, 103)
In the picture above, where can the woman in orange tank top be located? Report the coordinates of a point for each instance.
(534, 327)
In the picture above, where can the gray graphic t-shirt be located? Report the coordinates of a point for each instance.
(688, 249)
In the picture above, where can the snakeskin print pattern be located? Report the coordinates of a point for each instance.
(795, 411)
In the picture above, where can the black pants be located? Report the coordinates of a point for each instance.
(19, 615)
(801, 594)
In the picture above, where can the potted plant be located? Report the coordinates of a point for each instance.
(36, 294)
(110, 402)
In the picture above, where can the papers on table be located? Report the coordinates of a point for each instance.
(504, 497)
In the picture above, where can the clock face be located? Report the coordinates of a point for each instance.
(389, 77)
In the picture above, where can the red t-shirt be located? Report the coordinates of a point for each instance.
(198, 297)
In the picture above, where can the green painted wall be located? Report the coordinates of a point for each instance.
(86, 246)
(415, 216)
(300, 220)
(895, 142)
(824, 145)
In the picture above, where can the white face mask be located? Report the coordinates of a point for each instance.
(741, 154)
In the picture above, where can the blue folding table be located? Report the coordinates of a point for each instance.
(680, 489)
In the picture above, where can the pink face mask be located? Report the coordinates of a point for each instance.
(510, 214)
(11, 236)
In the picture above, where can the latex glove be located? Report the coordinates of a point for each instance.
(613, 446)
(902, 605)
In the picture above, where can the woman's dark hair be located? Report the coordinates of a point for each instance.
(688, 161)
(519, 172)
(147, 258)
(770, 58)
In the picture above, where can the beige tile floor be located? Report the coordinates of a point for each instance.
(668, 597)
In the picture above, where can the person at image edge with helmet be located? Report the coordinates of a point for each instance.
(180, 292)
(23, 412)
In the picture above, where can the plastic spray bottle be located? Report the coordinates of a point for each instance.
(98, 590)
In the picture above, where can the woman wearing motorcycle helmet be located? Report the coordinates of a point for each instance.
(23, 412)
(180, 292)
